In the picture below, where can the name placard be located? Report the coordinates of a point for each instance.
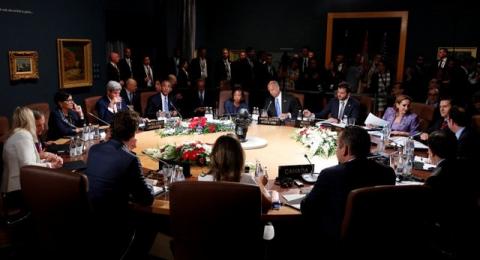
(269, 121)
(294, 171)
(153, 124)
(303, 123)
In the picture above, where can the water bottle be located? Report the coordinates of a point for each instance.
(258, 169)
(85, 134)
(79, 146)
(255, 115)
(299, 115)
(409, 151)
(208, 114)
(73, 149)
(91, 132)
(345, 120)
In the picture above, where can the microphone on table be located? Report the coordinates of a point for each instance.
(99, 119)
(310, 177)
(268, 106)
(178, 112)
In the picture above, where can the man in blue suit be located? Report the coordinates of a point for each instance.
(338, 107)
(115, 178)
(161, 101)
(111, 103)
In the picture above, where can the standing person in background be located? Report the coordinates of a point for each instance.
(113, 70)
(126, 65)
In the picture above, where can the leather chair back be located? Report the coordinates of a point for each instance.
(366, 107)
(59, 208)
(425, 114)
(42, 107)
(4, 128)
(300, 97)
(90, 107)
(382, 221)
(223, 96)
(476, 123)
(144, 99)
(215, 220)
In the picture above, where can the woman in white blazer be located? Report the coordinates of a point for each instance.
(18, 151)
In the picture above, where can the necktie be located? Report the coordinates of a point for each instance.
(444, 125)
(149, 73)
(130, 97)
(340, 111)
(165, 104)
(277, 107)
(201, 98)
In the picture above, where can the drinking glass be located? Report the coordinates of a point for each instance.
(264, 113)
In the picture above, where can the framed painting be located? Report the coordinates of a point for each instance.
(75, 63)
(368, 34)
(461, 52)
(23, 65)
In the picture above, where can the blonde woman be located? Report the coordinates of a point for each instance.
(19, 150)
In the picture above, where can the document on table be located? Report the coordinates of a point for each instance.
(294, 200)
(375, 120)
(400, 140)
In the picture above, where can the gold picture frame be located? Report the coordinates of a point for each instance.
(460, 52)
(23, 65)
(75, 63)
(354, 16)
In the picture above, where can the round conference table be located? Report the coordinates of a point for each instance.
(281, 149)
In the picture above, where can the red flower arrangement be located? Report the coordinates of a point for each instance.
(197, 121)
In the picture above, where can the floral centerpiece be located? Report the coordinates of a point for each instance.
(193, 153)
(320, 141)
(198, 125)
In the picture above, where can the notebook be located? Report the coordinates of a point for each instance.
(293, 200)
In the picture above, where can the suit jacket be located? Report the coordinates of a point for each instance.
(221, 71)
(324, 206)
(231, 109)
(195, 70)
(60, 126)
(19, 150)
(172, 66)
(102, 109)
(352, 109)
(126, 71)
(195, 102)
(155, 103)
(141, 75)
(183, 79)
(114, 178)
(113, 73)
(289, 105)
(243, 74)
(135, 102)
(409, 123)
(468, 144)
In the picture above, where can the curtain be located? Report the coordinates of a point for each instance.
(188, 27)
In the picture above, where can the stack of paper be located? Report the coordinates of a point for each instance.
(294, 200)
(400, 140)
(375, 120)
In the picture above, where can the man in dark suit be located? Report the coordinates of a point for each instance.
(468, 140)
(130, 95)
(242, 72)
(454, 188)
(145, 75)
(337, 108)
(174, 62)
(126, 65)
(111, 103)
(200, 67)
(115, 178)
(323, 208)
(113, 71)
(200, 99)
(266, 70)
(441, 123)
(161, 101)
(280, 104)
(223, 68)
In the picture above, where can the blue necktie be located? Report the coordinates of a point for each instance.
(277, 107)
(165, 104)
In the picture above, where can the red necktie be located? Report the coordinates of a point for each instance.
(444, 125)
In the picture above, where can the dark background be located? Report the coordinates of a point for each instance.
(151, 27)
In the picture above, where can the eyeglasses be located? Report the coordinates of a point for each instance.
(68, 100)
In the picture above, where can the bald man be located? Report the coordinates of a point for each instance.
(130, 95)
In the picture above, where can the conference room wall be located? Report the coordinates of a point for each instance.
(270, 24)
(39, 31)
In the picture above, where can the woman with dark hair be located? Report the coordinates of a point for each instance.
(66, 119)
(227, 162)
(400, 119)
(236, 102)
